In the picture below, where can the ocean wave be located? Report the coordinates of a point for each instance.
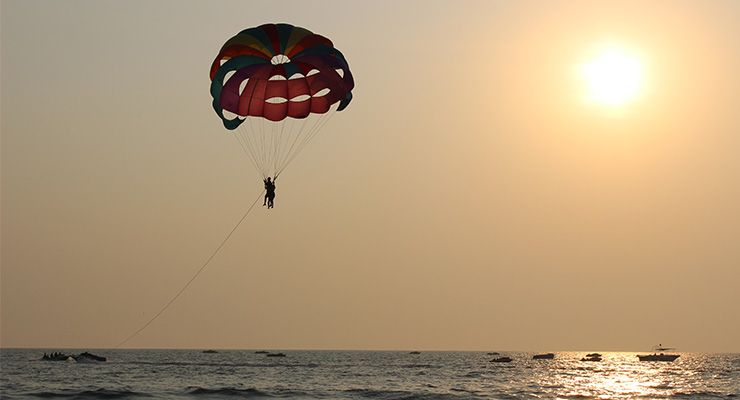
(472, 374)
(404, 395)
(89, 394)
(218, 364)
(701, 394)
(248, 392)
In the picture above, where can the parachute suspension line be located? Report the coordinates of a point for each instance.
(313, 130)
(248, 150)
(259, 139)
(268, 144)
(279, 131)
(272, 145)
(196, 274)
(253, 138)
(290, 141)
(244, 143)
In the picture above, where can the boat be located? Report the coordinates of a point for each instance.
(546, 356)
(261, 352)
(89, 357)
(415, 352)
(502, 359)
(210, 351)
(275, 355)
(659, 357)
(56, 356)
(596, 357)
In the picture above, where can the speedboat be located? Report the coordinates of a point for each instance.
(659, 357)
(592, 357)
(502, 359)
(546, 356)
(89, 357)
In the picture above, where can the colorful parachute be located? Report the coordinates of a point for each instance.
(269, 81)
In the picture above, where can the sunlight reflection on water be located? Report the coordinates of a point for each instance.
(623, 376)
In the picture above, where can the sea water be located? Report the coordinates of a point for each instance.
(377, 375)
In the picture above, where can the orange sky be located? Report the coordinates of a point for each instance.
(470, 197)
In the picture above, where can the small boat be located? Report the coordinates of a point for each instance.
(493, 353)
(210, 351)
(596, 357)
(415, 352)
(275, 354)
(546, 356)
(56, 356)
(502, 359)
(261, 352)
(659, 357)
(89, 357)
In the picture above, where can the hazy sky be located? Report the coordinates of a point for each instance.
(472, 196)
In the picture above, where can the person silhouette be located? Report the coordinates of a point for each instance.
(269, 192)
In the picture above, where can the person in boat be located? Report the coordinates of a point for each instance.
(269, 192)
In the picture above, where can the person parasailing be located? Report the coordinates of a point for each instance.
(269, 192)
(275, 86)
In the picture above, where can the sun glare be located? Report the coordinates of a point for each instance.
(613, 78)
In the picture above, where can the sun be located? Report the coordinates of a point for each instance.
(613, 78)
